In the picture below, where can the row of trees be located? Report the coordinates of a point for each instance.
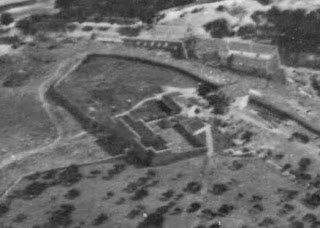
(142, 9)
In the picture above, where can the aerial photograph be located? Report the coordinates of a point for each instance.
(159, 113)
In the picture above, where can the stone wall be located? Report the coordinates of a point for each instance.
(175, 47)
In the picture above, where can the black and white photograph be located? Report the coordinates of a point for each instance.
(159, 113)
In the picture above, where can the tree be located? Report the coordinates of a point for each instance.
(6, 19)
(25, 26)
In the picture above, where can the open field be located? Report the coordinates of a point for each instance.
(24, 123)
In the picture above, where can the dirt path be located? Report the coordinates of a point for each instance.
(57, 75)
(207, 171)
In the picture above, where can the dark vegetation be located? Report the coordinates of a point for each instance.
(145, 10)
(192, 187)
(315, 83)
(66, 177)
(312, 200)
(153, 220)
(6, 19)
(101, 219)
(300, 137)
(72, 194)
(219, 189)
(16, 79)
(294, 30)
(4, 209)
(218, 28)
(41, 23)
(129, 31)
(62, 216)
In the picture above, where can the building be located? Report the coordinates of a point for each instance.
(249, 57)
(158, 145)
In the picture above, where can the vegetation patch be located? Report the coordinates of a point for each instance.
(16, 79)
(129, 31)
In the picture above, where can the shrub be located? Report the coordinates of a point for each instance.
(167, 195)
(34, 189)
(62, 216)
(69, 176)
(225, 209)
(218, 28)
(3, 209)
(6, 19)
(312, 200)
(287, 194)
(267, 222)
(72, 194)
(193, 207)
(140, 194)
(208, 214)
(236, 165)
(296, 224)
(219, 189)
(154, 220)
(25, 26)
(134, 213)
(310, 218)
(16, 79)
(129, 31)
(87, 28)
(102, 218)
(192, 187)
(304, 163)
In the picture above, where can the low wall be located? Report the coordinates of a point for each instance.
(283, 112)
(170, 157)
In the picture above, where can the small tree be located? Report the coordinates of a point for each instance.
(6, 19)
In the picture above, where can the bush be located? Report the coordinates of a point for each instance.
(34, 189)
(140, 194)
(296, 224)
(154, 220)
(4, 209)
(25, 26)
(72, 194)
(310, 218)
(16, 79)
(167, 195)
(192, 187)
(87, 28)
(267, 222)
(219, 189)
(101, 219)
(129, 31)
(193, 207)
(312, 201)
(62, 216)
(6, 19)
(218, 28)
(304, 163)
(225, 209)
(69, 176)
